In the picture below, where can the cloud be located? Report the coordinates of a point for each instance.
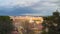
(18, 2)
(46, 5)
(28, 7)
(16, 11)
(33, 14)
(50, 0)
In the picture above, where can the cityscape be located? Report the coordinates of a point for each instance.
(29, 16)
(30, 24)
(35, 23)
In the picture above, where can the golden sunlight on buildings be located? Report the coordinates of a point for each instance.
(20, 20)
(33, 22)
(29, 18)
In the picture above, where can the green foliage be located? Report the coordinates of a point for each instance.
(56, 13)
(6, 25)
(44, 32)
(51, 20)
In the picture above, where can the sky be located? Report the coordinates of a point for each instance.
(29, 7)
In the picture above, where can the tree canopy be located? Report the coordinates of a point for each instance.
(6, 25)
(53, 23)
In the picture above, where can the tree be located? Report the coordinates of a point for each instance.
(56, 14)
(6, 25)
(53, 23)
